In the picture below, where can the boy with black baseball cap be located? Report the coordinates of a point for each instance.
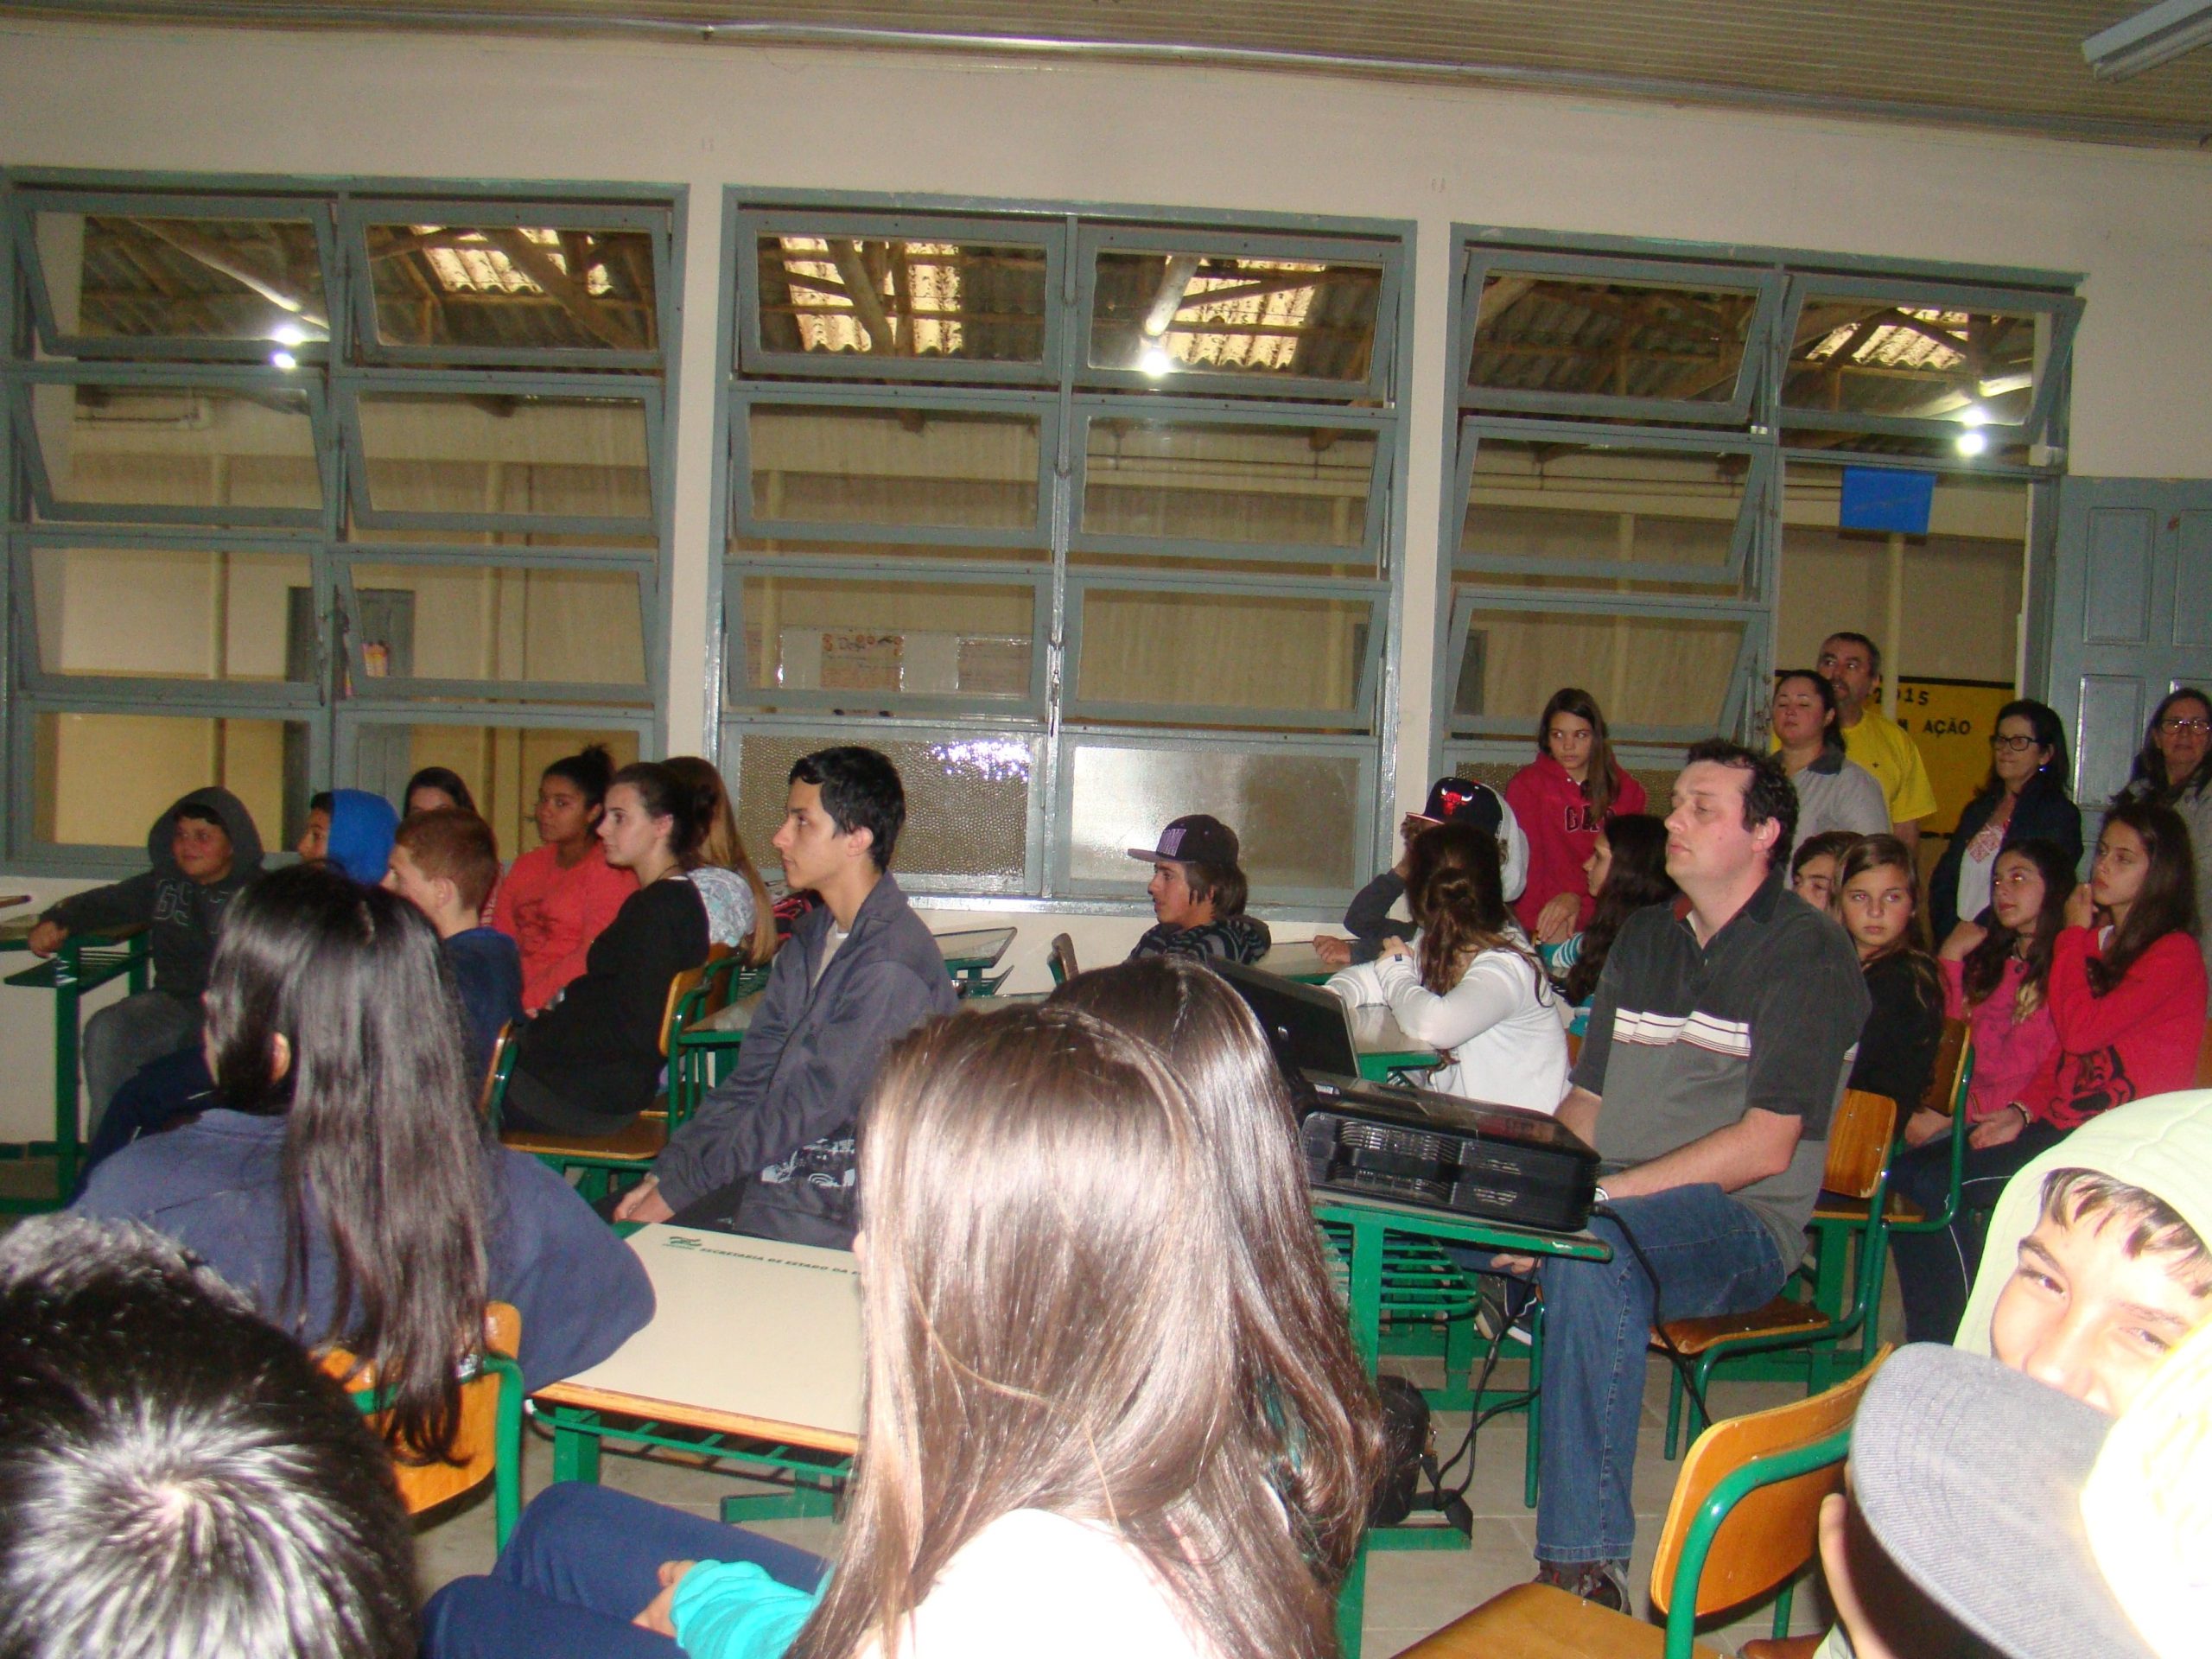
(1197, 892)
(1377, 910)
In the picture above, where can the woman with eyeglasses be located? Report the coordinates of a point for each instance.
(2174, 768)
(2025, 796)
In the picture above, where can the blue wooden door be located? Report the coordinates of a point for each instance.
(2131, 617)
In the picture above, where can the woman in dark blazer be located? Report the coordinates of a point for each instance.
(2025, 795)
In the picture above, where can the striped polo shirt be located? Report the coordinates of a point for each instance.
(1684, 1037)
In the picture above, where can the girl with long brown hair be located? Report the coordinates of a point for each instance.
(1469, 985)
(1057, 1430)
(1561, 800)
(739, 913)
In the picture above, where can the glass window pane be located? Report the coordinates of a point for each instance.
(1927, 361)
(1238, 650)
(1234, 316)
(1296, 816)
(101, 780)
(902, 297)
(953, 469)
(498, 623)
(1268, 485)
(1599, 337)
(1990, 445)
(577, 457)
(967, 801)
(1644, 670)
(163, 613)
(513, 288)
(145, 276)
(887, 638)
(1552, 499)
(501, 766)
(177, 447)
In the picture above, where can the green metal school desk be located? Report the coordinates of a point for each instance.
(84, 963)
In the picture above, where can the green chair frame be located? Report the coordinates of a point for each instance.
(507, 1438)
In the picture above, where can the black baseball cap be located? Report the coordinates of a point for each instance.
(1461, 800)
(1196, 838)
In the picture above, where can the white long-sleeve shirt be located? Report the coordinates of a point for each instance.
(1505, 1035)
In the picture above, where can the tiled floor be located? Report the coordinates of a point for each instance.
(1409, 1592)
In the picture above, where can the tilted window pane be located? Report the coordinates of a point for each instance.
(497, 454)
(513, 288)
(196, 614)
(498, 623)
(1985, 445)
(1644, 670)
(101, 780)
(1596, 337)
(1265, 485)
(114, 445)
(501, 765)
(966, 800)
(146, 276)
(1268, 654)
(1170, 315)
(901, 297)
(1296, 816)
(816, 464)
(1553, 499)
(887, 638)
(1928, 361)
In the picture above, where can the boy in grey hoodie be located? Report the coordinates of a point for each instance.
(204, 850)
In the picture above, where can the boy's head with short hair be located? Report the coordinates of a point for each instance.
(445, 862)
(199, 842)
(2109, 1279)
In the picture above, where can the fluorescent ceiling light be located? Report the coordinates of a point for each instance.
(2148, 39)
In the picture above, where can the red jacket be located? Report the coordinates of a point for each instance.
(1563, 833)
(554, 915)
(2140, 1037)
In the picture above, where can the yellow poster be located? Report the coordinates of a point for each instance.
(1951, 720)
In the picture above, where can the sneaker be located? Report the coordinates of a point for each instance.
(1603, 1583)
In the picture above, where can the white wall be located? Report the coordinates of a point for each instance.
(2138, 223)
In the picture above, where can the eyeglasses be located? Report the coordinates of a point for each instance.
(2176, 723)
(2013, 744)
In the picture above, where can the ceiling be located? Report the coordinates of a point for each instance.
(2010, 64)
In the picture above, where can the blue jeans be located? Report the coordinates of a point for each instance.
(125, 1035)
(1712, 1255)
(1936, 1271)
(584, 1562)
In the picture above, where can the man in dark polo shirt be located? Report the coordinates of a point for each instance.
(1719, 1040)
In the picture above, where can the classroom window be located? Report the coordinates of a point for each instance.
(1062, 485)
(289, 454)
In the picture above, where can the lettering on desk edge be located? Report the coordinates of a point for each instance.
(678, 1242)
(1699, 1030)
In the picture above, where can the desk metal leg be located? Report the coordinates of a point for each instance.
(67, 1147)
(1352, 1605)
(575, 1445)
(1366, 1294)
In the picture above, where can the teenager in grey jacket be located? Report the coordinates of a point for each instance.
(771, 1151)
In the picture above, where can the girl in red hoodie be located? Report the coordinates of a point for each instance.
(2126, 993)
(1561, 801)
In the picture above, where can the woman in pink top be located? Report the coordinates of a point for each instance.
(1561, 801)
(554, 900)
(1995, 980)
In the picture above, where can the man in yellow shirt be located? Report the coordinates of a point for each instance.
(1853, 664)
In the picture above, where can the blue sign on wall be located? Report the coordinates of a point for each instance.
(1882, 498)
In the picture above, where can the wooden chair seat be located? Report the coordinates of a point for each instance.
(1782, 1313)
(1789, 1647)
(1536, 1621)
(640, 1143)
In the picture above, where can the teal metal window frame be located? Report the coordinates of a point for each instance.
(333, 538)
(1075, 393)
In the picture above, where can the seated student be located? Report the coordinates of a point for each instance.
(433, 787)
(556, 899)
(1812, 867)
(2127, 1001)
(2024, 797)
(204, 851)
(2097, 1267)
(1995, 979)
(739, 911)
(1472, 988)
(770, 1150)
(179, 1478)
(590, 1062)
(1628, 871)
(1198, 895)
(1834, 793)
(1876, 901)
(346, 1182)
(443, 862)
(351, 828)
(1004, 1157)
(1376, 912)
(1562, 799)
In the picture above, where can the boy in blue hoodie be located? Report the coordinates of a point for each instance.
(351, 828)
(204, 850)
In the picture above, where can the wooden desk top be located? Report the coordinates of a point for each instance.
(978, 947)
(1296, 960)
(1377, 1031)
(747, 1337)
